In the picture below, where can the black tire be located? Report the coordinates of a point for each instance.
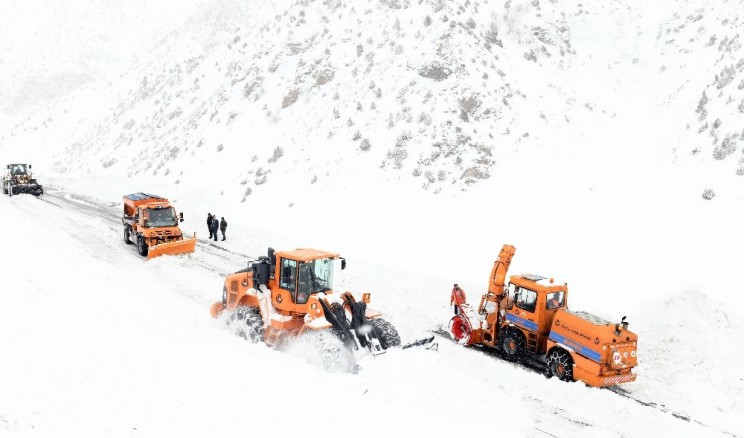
(127, 235)
(142, 246)
(512, 344)
(254, 329)
(247, 323)
(560, 365)
(386, 333)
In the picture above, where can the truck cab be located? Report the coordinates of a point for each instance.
(531, 305)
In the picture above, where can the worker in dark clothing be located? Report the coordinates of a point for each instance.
(223, 227)
(209, 224)
(214, 227)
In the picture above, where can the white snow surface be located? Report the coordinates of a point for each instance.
(570, 130)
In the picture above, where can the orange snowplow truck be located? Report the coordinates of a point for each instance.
(529, 320)
(289, 294)
(151, 223)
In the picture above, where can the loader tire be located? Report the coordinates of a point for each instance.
(248, 324)
(127, 235)
(141, 246)
(512, 345)
(386, 333)
(560, 365)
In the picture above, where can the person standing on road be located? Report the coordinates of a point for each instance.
(457, 298)
(214, 227)
(223, 227)
(209, 224)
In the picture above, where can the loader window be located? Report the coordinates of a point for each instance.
(315, 276)
(525, 299)
(289, 276)
(19, 169)
(160, 217)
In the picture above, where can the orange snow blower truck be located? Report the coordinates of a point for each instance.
(528, 320)
(151, 223)
(287, 295)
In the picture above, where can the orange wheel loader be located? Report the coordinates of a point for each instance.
(288, 295)
(528, 320)
(151, 223)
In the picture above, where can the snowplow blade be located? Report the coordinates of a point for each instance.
(177, 247)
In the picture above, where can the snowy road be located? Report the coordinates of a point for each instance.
(98, 342)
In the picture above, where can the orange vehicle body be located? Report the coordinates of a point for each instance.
(289, 293)
(529, 319)
(151, 223)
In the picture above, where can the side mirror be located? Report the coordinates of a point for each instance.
(180, 216)
(29, 166)
(343, 264)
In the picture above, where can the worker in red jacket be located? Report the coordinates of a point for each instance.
(457, 298)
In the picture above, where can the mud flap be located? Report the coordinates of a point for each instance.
(177, 247)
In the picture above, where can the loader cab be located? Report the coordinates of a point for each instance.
(302, 273)
(18, 169)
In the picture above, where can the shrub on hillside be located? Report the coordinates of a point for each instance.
(435, 71)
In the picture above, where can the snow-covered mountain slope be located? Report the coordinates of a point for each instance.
(435, 90)
(49, 50)
(704, 41)
(98, 341)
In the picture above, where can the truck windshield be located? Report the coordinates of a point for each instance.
(160, 217)
(315, 276)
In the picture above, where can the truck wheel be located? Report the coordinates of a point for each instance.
(386, 333)
(512, 345)
(127, 236)
(141, 246)
(560, 365)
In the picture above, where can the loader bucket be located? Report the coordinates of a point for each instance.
(177, 247)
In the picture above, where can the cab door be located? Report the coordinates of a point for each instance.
(523, 314)
(285, 296)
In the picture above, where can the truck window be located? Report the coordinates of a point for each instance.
(555, 300)
(160, 217)
(525, 299)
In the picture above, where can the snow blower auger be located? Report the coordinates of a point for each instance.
(528, 321)
(288, 296)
